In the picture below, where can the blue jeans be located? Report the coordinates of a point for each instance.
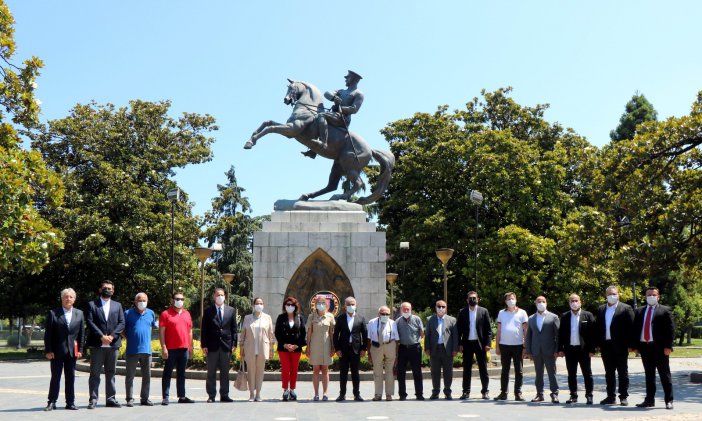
(177, 358)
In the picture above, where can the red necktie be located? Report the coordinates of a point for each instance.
(647, 324)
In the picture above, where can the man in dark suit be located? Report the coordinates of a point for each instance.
(475, 338)
(577, 343)
(350, 337)
(63, 342)
(441, 345)
(654, 329)
(105, 319)
(218, 337)
(613, 327)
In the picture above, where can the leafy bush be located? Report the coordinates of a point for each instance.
(12, 340)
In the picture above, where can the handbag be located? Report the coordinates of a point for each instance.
(242, 381)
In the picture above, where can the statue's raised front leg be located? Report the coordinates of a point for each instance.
(255, 135)
(288, 130)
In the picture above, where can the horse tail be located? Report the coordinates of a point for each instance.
(387, 162)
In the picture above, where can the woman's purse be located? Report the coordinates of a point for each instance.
(242, 381)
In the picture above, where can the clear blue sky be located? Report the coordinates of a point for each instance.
(230, 59)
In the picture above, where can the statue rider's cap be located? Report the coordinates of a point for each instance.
(354, 74)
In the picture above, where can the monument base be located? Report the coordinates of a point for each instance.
(303, 252)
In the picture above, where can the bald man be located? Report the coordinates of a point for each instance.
(139, 321)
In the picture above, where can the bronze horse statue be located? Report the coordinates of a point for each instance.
(349, 151)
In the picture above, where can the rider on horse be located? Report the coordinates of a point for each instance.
(346, 102)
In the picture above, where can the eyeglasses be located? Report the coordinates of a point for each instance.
(440, 306)
(384, 314)
(179, 299)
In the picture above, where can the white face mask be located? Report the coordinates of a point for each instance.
(178, 303)
(219, 300)
(511, 303)
(258, 308)
(541, 307)
(575, 306)
(406, 314)
(613, 299)
(290, 309)
(384, 319)
(350, 309)
(141, 305)
(321, 307)
(651, 300)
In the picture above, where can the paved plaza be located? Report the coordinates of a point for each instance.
(24, 386)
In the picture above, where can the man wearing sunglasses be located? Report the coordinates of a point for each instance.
(441, 345)
(382, 343)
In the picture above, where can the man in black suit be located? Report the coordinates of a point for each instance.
(475, 338)
(613, 327)
(654, 329)
(218, 337)
(350, 337)
(577, 343)
(105, 319)
(63, 342)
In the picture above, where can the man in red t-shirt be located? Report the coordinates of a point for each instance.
(176, 332)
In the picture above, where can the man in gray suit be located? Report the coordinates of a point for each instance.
(441, 345)
(542, 348)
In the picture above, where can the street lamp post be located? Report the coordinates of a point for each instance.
(404, 245)
(477, 199)
(202, 253)
(173, 196)
(444, 254)
(391, 278)
(228, 278)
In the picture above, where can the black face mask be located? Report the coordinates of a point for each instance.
(473, 302)
(106, 293)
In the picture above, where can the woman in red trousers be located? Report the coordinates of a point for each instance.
(291, 337)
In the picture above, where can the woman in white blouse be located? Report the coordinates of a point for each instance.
(256, 340)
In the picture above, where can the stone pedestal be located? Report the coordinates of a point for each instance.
(294, 237)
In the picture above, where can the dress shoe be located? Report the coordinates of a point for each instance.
(485, 396)
(293, 395)
(464, 396)
(185, 400)
(226, 399)
(645, 404)
(50, 406)
(71, 407)
(286, 395)
(448, 397)
(130, 403)
(669, 405)
(419, 398)
(501, 397)
(572, 400)
(92, 405)
(608, 401)
(623, 402)
(210, 400)
(147, 403)
(357, 398)
(588, 400)
(539, 398)
(434, 396)
(403, 398)
(388, 397)
(518, 397)
(164, 402)
(377, 398)
(341, 398)
(113, 404)
(554, 398)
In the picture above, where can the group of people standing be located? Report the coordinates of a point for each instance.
(392, 344)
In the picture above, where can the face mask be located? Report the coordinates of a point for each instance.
(141, 305)
(473, 301)
(541, 307)
(575, 306)
(290, 309)
(407, 314)
(321, 307)
(258, 308)
(652, 300)
(219, 300)
(178, 303)
(384, 319)
(106, 293)
(351, 309)
(440, 311)
(511, 303)
(613, 299)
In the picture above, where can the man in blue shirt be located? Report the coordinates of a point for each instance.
(139, 321)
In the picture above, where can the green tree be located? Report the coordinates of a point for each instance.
(117, 164)
(638, 110)
(230, 223)
(26, 185)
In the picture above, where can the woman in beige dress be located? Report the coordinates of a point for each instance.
(256, 340)
(320, 349)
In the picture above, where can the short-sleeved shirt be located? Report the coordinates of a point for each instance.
(178, 327)
(137, 328)
(410, 330)
(512, 329)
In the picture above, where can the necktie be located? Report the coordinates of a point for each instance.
(647, 325)
(219, 314)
